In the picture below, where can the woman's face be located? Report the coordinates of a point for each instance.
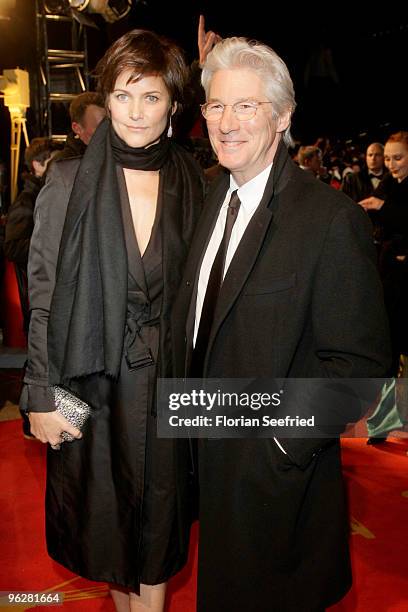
(139, 109)
(396, 159)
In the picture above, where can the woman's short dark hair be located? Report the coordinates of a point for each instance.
(144, 53)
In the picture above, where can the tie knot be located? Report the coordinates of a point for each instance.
(234, 202)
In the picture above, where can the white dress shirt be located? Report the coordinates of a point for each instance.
(250, 195)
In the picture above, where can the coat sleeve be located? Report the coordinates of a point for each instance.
(49, 217)
(349, 321)
(349, 327)
(19, 227)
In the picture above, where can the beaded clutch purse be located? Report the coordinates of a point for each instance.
(72, 408)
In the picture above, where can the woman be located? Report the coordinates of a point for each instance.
(390, 199)
(390, 204)
(117, 507)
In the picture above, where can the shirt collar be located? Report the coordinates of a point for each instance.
(250, 193)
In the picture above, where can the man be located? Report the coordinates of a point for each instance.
(20, 224)
(310, 158)
(86, 111)
(300, 298)
(361, 185)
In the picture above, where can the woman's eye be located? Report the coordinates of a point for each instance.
(152, 98)
(122, 97)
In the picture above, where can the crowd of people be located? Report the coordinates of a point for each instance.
(263, 262)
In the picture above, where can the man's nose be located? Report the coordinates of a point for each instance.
(228, 121)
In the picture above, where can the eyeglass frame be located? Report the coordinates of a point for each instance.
(255, 104)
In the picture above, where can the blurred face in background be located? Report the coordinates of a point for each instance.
(315, 163)
(139, 109)
(396, 159)
(39, 168)
(93, 115)
(375, 158)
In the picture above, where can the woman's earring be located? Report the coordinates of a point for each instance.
(170, 130)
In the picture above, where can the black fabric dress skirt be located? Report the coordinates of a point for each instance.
(111, 507)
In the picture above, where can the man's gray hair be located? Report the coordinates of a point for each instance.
(239, 52)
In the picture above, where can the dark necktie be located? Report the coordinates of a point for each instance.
(375, 176)
(213, 289)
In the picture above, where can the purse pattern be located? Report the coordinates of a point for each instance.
(72, 408)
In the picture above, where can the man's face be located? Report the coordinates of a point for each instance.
(375, 158)
(243, 147)
(315, 163)
(92, 117)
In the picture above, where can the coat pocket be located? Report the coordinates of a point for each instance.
(270, 285)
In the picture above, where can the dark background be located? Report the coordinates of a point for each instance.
(369, 52)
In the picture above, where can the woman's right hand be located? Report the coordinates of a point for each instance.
(371, 203)
(48, 427)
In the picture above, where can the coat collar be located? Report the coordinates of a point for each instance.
(248, 249)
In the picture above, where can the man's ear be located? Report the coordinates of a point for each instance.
(76, 128)
(37, 166)
(283, 121)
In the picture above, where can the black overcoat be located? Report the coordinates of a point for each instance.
(300, 299)
(177, 222)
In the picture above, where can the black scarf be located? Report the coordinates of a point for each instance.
(88, 310)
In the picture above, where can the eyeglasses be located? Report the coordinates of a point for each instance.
(243, 111)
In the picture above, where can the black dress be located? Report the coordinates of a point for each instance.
(393, 217)
(111, 507)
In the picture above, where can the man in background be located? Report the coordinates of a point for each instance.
(86, 111)
(310, 158)
(360, 185)
(20, 224)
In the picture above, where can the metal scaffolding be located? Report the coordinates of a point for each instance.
(62, 73)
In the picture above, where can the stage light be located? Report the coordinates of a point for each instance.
(56, 7)
(111, 10)
(15, 86)
(6, 6)
(16, 92)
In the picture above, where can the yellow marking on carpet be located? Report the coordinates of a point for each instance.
(404, 494)
(358, 528)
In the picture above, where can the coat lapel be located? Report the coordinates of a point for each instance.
(244, 258)
(251, 243)
(247, 252)
(135, 264)
(202, 237)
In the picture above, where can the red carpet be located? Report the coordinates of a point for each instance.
(377, 480)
